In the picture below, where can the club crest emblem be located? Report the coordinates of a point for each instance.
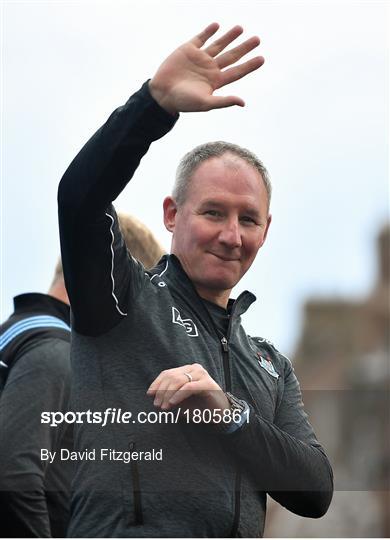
(266, 364)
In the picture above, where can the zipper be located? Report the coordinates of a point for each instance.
(136, 489)
(226, 364)
(237, 483)
(228, 386)
(237, 505)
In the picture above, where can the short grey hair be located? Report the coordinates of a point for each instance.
(191, 161)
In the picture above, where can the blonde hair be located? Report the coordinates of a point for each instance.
(139, 240)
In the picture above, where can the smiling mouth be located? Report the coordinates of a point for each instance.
(225, 259)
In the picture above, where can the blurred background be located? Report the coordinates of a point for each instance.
(342, 362)
(316, 114)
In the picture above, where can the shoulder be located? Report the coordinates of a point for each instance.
(50, 356)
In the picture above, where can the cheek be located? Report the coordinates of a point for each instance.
(253, 244)
(201, 235)
(191, 238)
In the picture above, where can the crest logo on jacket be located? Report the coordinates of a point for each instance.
(266, 364)
(188, 324)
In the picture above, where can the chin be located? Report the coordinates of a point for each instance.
(219, 282)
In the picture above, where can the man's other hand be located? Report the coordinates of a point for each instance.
(174, 386)
(187, 79)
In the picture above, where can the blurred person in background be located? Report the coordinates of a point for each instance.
(35, 376)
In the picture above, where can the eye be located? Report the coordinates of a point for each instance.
(248, 220)
(213, 213)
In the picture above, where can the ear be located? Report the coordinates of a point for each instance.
(170, 211)
(269, 219)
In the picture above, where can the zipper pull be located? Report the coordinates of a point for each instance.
(225, 345)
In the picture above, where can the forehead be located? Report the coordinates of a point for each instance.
(226, 175)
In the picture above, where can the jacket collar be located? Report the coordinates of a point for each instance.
(170, 270)
(41, 303)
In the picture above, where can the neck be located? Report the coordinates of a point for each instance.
(58, 291)
(221, 298)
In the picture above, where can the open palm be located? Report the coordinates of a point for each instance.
(188, 78)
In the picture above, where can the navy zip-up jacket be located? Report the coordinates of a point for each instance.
(129, 325)
(34, 377)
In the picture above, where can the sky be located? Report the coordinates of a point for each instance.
(317, 115)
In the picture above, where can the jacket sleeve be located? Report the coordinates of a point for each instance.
(284, 456)
(39, 381)
(97, 267)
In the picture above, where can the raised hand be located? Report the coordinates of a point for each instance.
(187, 79)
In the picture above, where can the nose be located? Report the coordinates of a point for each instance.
(230, 234)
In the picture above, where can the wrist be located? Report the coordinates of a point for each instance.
(237, 414)
(160, 96)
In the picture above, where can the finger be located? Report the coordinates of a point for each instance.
(170, 387)
(164, 374)
(154, 386)
(200, 39)
(168, 381)
(220, 102)
(235, 73)
(170, 391)
(232, 56)
(219, 45)
(159, 395)
(189, 389)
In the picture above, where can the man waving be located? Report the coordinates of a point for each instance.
(170, 339)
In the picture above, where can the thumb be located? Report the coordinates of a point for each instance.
(220, 102)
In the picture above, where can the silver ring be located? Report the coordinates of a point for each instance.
(189, 376)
